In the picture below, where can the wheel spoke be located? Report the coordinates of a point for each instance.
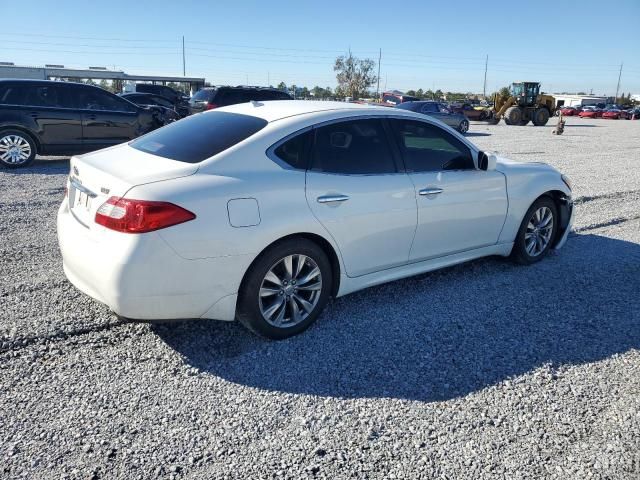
(301, 259)
(268, 313)
(273, 278)
(295, 310)
(268, 291)
(313, 287)
(309, 276)
(288, 266)
(307, 306)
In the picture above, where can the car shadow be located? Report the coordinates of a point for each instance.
(441, 335)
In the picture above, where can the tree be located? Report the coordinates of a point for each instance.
(419, 93)
(429, 94)
(438, 94)
(304, 93)
(504, 93)
(411, 93)
(354, 75)
(282, 86)
(105, 85)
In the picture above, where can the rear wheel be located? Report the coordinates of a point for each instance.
(537, 231)
(464, 126)
(513, 116)
(285, 289)
(17, 149)
(540, 117)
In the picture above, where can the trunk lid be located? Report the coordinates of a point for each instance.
(112, 172)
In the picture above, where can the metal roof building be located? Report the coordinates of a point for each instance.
(52, 72)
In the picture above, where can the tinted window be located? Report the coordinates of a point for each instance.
(293, 151)
(427, 148)
(352, 147)
(94, 99)
(203, 95)
(443, 109)
(199, 137)
(158, 100)
(230, 97)
(12, 94)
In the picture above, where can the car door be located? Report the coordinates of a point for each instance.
(106, 119)
(446, 116)
(57, 124)
(459, 206)
(356, 190)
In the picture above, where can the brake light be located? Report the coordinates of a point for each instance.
(140, 216)
(211, 106)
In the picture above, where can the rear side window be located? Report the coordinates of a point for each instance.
(428, 148)
(294, 151)
(12, 94)
(357, 147)
(199, 137)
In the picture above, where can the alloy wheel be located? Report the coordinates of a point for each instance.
(14, 149)
(290, 291)
(539, 231)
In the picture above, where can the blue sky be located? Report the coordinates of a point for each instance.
(567, 45)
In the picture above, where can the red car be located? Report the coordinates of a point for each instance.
(611, 114)
(568, 111)
(590, 113)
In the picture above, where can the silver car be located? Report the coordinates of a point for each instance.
(439, 111)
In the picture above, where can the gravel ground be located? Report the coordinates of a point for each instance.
(486, 370)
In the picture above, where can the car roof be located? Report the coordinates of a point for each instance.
(277, 109)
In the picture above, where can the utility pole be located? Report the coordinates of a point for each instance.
(184, 65)
(484, 88)
(618, 87)
(378, 87)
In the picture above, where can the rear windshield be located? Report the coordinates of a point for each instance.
(203, 95)
(199, 137)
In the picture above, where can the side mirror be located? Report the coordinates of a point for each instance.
(487, 161)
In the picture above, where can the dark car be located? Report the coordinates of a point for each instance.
(62, 118)
(214, 97)
(439, 111)
(177, 99)
(164, 107)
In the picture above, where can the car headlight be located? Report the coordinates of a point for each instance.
(566, 181)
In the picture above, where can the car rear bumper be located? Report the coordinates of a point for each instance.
(141, 277)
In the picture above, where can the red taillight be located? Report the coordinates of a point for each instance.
(140, 216)
(211, 106)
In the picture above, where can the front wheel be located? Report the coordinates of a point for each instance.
(17, 149)
(464, 126)
(536, 233)
(285, 289)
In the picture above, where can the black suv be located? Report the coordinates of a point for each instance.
(62, 118)
(214, 97)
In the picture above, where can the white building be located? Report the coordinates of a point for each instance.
(575, 100)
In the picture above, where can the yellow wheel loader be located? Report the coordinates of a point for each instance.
(525, 104)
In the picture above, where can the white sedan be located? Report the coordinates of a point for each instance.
(262, 211)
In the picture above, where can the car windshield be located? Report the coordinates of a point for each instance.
(199, 137)
(202, 95)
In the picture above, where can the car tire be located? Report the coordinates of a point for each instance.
(276, 302)
(537, 232)
(463, 127)
(17, 149)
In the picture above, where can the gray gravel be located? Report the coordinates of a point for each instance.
(485, 370)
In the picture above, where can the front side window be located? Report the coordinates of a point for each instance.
(443, 109)
(357, 147)
(428, 148)
(429, 108)
(94, 99)
(199, 137)
(46, 96)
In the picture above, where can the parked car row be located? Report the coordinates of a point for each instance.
(40, 117)
(593, 111)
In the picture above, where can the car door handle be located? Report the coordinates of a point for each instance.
(430, 191)
(333, 198)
